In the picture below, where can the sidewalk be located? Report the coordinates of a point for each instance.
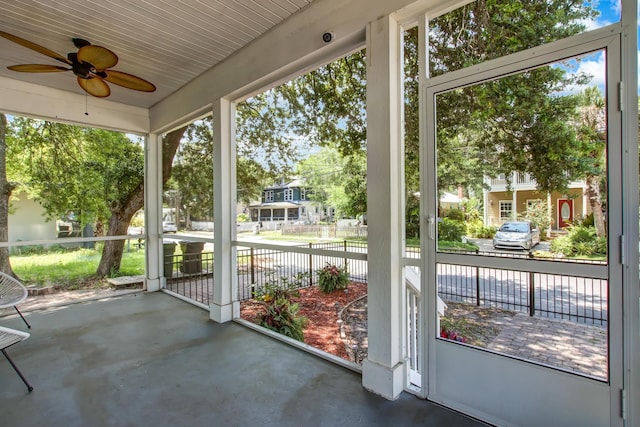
(563, 344)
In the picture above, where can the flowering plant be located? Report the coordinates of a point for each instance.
(451, 335)
(332, 277)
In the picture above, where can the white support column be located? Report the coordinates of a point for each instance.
(153, 211)
(383, 370)
(224, 206)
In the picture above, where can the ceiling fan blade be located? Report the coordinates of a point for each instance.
(95, 86)
(37, 68)
(36, 47)
(129, 81)
(98, 56)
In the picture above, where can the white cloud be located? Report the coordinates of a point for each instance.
(593, 65)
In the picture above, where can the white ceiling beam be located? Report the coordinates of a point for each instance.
(30, 100)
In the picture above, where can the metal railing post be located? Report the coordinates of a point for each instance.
(310, 265)
(532, 295)
(253, 267)
(478, 286)
(345, 259)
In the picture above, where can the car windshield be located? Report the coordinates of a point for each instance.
(515, 228)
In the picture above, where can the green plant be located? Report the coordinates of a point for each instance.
(538, 213)
(279, 287)
(562, 245)
(332, 277)
(581, 240)
(451, 230)
(281, 314)
(455, 214)
(477, 229)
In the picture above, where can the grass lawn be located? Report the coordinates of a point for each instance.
(72, 269)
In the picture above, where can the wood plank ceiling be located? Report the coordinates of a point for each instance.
(166, 42)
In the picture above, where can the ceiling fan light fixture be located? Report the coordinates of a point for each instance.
(91, 65)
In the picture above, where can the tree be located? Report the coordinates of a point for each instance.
(6, 188)
(323, 108)
(518, 123)
(328, 174)
(123, 209)
(92, 171)
(592, 138)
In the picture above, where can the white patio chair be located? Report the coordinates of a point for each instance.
(9, 337)
(12, 293)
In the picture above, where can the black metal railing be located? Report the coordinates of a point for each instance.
(579, 299)
(190, 275)
(259, 266)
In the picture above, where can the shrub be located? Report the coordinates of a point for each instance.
(281, 314)
(580, 240)
(477, 229)
(538, 213)
(282, 317)
(451, 230)
(332, 277)
(562, 245)
(455, 214)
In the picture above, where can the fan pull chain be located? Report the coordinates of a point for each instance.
(86, 104)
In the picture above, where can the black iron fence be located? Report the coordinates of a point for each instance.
(259, 266)
(189, 273)
(578, 299)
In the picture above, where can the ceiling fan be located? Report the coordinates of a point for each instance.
(91, 64)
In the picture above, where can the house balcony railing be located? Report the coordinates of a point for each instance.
(519, 181)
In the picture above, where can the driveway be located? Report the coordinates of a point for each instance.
(486, 245)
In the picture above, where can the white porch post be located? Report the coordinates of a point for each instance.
(153, 211)
(224, 206)
(383, 370)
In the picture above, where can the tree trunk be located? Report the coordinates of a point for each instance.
(595, 201)
(5, 193)
(123, 212)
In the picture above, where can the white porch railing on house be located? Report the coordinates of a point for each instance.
(414, 341)
(520, 181)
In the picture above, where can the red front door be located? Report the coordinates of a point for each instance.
(565, 213)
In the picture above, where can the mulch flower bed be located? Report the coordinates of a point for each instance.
(322, 310)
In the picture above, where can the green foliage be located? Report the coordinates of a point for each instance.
(518, 123)
(472, 208)
(451, 230)
(477, 229)
(332, 278)
(580, 240)
(68, 268)
(243, 218)
(538, 213)
(444, 245)
(281, 314)
(70, 168)
(455, 214)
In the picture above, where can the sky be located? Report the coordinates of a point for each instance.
(610, 11)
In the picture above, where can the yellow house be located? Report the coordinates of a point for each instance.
(503, 204)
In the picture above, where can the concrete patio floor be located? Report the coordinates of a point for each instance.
(152, 360)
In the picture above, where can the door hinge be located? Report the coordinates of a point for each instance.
(623, 404)
(621, 96)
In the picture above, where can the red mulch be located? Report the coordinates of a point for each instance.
(322, 310)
